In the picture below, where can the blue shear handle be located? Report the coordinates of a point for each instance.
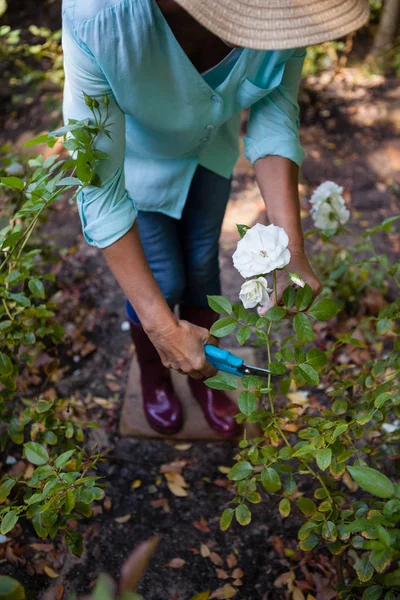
(223, 360)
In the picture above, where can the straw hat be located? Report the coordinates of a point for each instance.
(278, 24)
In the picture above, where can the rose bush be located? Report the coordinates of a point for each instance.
(340, 441)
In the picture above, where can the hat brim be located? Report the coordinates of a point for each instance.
(278, 24)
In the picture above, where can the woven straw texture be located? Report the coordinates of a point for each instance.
(278, 24)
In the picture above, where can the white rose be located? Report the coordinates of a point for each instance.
(255, 291)
(326, 190)
(261, 250)
(330, 214)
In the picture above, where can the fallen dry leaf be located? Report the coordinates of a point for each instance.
(227, 591)
(177, 490)
(237, 573)
(176, 478)
(204, 551)
(107, 503)
(202, 525)
(136, 484)
(224, 470)
(221, 574)
(42, 547)
(175, 466)
(238, 582)
(216, 559)
(176, 563)
(297, 594)
(50, 572)
(183, 446)
(285, 579)
(231, 561)
(123, 519)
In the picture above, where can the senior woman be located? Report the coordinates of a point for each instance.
(177, 75)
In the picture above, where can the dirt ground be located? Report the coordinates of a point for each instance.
(350, 132)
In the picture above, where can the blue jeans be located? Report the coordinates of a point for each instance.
(183, 254)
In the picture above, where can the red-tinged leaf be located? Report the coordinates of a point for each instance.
(237, 573)
(221, 574)
(123, 519)
(202, 525)
(137, 563)
(176, 563)
(42, 547)
(216, 559)
(231, 561)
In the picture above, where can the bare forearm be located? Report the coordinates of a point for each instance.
(277, 178)
(128, 263)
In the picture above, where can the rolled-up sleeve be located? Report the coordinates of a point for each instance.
(273, 127)
(107, 212)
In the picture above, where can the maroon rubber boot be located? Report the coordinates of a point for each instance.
(218, 409)
(161, 405)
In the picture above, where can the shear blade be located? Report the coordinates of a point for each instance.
(249, 370)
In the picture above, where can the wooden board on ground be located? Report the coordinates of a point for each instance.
(133, 422)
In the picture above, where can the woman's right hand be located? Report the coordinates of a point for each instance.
(180, 345)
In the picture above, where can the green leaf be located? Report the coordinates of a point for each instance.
(289, 296)
(5, 489)
(74, 541)
(381, 559)
(339, 430)
(304, 297)
(270, 480)
(277, 368)
(284, 508)
(243, 334)
(316, 358)
(6, 366)
(240, 471)
(372, 481)
(35, 453)
(8, 521)
(276, 313)
(303, 328)
(226, 518)
(220, 304)
(36, 287)
(372, 593)
(63, 459)
(69, 181)
(323, 310)
(383, 326)
(323, 458)
(309, 543)
(242, 229)
(224, 327)
(382, 399)
(364, 569)
(222, 381)
(14, 183)
(329, 531)
(37, 140)
(243, 514)
(308, 373)
(307, 506)
(304, 449)
(11, 589)
(247, 402)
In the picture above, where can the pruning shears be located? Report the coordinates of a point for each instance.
(223, 360)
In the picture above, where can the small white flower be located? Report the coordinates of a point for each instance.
(261, 250)
(326, 190)
(255, 291)
(329, 207)
(391, 427)
(297, 279)
(330, 214)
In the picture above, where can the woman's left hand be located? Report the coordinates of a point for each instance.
(299, 264)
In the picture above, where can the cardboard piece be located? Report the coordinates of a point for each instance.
(133, 422)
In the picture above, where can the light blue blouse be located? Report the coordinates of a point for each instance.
(166, 117)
